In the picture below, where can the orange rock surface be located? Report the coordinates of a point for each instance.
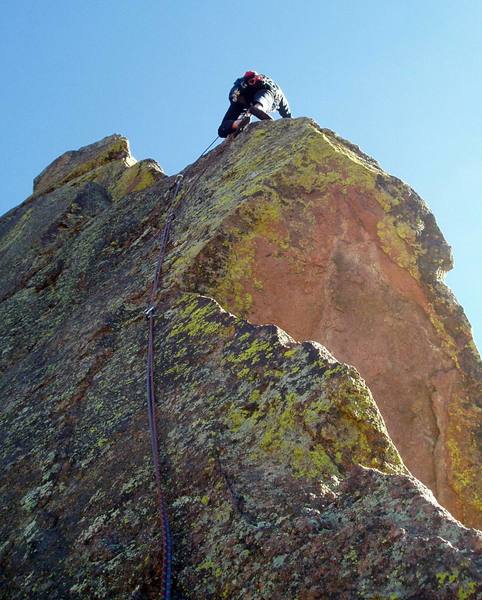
(332, 249)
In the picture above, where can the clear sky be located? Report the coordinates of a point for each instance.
(400, 78)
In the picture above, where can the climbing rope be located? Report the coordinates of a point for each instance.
(166, 550)
(202, 172)
(166, 540)
(211, 144)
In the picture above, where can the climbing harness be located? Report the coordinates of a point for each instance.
(166, 551)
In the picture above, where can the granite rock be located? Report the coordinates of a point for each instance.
(282, 475)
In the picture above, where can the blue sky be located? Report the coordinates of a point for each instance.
(400, 78)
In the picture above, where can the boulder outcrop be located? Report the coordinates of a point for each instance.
(108, 162)
(284, 476)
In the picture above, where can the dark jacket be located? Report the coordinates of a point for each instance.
(243, 93)
(242, 96)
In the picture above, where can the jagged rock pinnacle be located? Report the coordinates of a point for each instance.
(291, 467)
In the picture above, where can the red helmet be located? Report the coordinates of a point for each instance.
(250, 74)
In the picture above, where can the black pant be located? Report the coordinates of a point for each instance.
(270, 102)
(263, 97)
(233, 112)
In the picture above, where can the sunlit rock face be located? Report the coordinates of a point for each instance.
(313, 236)
(108, 162)
(289, 465)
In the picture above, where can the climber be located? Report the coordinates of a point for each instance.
(252, 94)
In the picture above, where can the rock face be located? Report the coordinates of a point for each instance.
(297, 227)
(281, 478)
(104, 162)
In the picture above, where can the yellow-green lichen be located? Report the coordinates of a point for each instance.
(447, 342)
(194, 320)
(465, 589)
(256, 350)
(260, 221)
(18, 231)
(62, 171)
(136, 178)
(398, 240)
(464, 453)
(237, 416)
(297, 432)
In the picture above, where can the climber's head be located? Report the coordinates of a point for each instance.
(251, 77)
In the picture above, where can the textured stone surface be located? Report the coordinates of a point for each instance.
(137, 177)
(74, 163)
(108, 162)
(280, 476)
(294, 226)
